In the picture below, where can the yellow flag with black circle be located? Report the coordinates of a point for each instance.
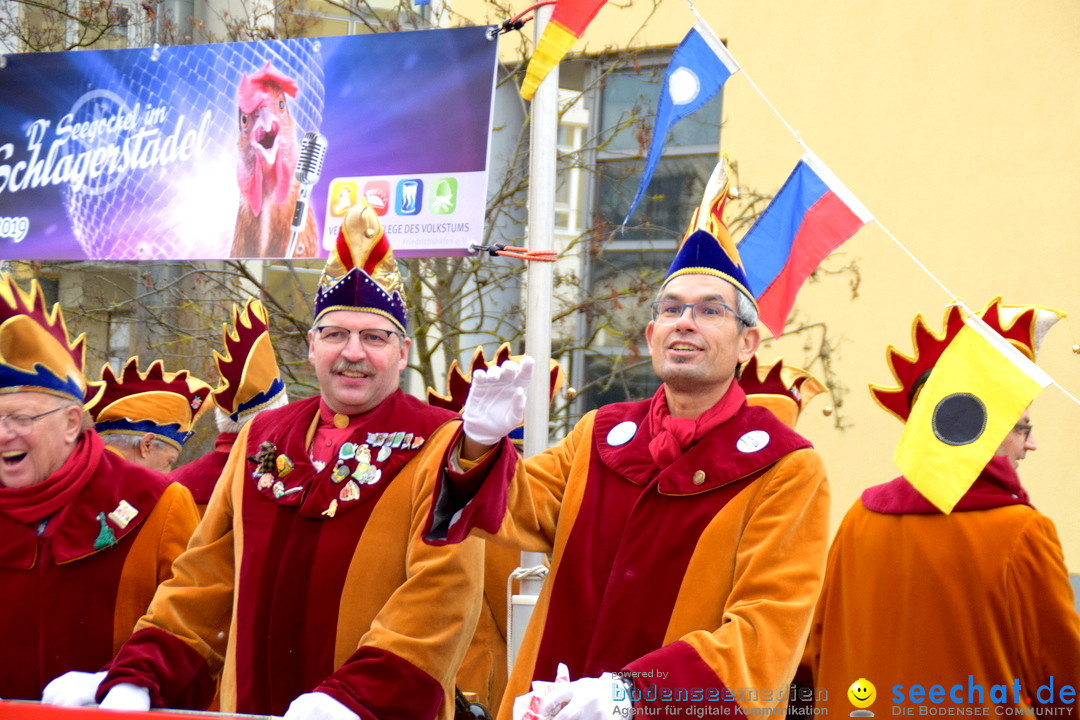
(975, 394)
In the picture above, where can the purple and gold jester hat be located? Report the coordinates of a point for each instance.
(36, 354)
(361, 273)
(707, 247)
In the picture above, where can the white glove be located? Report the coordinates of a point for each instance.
(318, 706)
(126, 696)
(73, 689)
(588, 699)
(496, 402)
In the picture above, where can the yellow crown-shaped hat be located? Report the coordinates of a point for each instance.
(166, 404)
(1022, 325)
(249, 377)
(783, 389)
(36, 353)
(458, 382)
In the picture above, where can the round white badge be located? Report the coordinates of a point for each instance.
(622, 433)
(684, 86)
(753, 441)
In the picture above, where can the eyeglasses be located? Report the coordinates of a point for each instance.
(668, 312)
(371, 338)
(23, 425)
(1023, 429)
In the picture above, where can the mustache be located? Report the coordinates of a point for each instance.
(350, 366)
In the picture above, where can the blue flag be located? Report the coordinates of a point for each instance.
(699, 68)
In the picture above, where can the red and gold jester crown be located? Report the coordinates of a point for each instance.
(707, 247)
(36, 353)
(783, 389)
(248, 371)
(361, 273)
(166, 404)
(458, 383)
(1024, 326)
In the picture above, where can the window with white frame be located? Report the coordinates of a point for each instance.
(571, 175)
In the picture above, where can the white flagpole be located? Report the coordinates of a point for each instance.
(543, 129)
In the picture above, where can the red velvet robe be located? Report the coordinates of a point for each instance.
(69, 606)
(697, 580)
(281, 597)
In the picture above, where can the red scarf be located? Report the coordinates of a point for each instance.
(36, 502)
(672, 436)
(998, 485)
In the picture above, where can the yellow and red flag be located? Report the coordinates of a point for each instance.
(975, 394)
(568, 21)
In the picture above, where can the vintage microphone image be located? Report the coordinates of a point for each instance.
(308, 168)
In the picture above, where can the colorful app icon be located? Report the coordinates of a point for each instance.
(343, 195)
(377, 193)
(444, 196)
(409, 196)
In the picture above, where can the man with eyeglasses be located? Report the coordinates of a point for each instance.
(948, 607)
(85, 536)
(307, 588)
(688, 531)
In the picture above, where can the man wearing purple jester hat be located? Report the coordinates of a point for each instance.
(307, 588)
(688, 532)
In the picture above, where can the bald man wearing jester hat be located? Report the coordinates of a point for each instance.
(976, 598)
(146, 417)
(688, 532)
(307, 588)
(85, 536)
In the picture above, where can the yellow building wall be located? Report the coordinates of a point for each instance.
(958, 125)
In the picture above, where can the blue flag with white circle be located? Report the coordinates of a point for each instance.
(699, 67)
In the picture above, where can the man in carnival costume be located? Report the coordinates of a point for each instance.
(85, 536)
(146, 417)
(973, 607)
(306, 587)
(249, 383)
(688, 532)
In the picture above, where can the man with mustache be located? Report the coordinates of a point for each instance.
(307, 588)
(688, 532)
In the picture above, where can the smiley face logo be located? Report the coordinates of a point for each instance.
(862, 693)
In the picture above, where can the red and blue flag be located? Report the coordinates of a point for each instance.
(812, 215)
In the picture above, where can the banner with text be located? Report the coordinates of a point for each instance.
(238, 150)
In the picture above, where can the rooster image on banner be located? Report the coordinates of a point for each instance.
(267, 150)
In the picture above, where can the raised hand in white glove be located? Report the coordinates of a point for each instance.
(496, 402)
(318, 706)
(588, 699)
(126, 696)
(73, 689)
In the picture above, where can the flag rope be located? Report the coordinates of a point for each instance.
(517, 22)
(954, 299)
